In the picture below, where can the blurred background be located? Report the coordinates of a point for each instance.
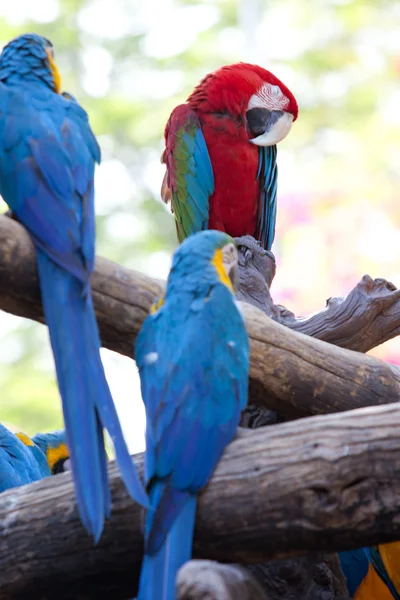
(129, 62)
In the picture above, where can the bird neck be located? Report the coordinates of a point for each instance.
(17, 73)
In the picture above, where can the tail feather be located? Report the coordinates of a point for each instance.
(159, 570)
(86, 399)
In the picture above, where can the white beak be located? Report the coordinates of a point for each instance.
(276, 133)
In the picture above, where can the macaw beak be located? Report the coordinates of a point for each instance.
(231, 264)
(268, 127)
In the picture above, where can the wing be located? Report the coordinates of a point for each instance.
(47, 173)
(268, 176)
(76, 128)
(17, 464)
(193, 365)
(189, 179)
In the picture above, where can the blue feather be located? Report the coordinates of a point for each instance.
(354, 564)
(47, 160)
(19, 464)
(268, 175)
(192, 179)
(159, 568)
(193, 359)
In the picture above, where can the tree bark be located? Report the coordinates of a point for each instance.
(367, 317)
(321, 484)
(291, 373)
(304, 578)
(210, 580)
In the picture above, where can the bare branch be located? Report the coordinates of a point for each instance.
(368, 316)
(291, 373)
(321, 484)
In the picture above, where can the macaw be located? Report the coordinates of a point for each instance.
(193, 358)
(21, 462)
(220, 153)
(47, 160)
(54, 447)
(372, 573)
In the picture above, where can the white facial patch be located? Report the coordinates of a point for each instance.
(270, 97)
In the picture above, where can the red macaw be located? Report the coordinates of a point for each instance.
(220, 153)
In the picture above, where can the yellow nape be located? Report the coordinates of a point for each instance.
(390, 554)
(54, 71)
(25, 439)
(156, 306)
(53, 455)
(218, 263)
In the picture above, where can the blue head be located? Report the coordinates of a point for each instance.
(30, 58)
(54, 447)
(203, 259)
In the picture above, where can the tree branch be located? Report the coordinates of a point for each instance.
(367, 317)
(321, 484)
(291, 373)
(210, 580)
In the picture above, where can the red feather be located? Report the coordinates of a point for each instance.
(233, 206)
(220, 102)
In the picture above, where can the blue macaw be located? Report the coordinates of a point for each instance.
(193, 360)
(47, 159)
(54, 447)
(21, 462)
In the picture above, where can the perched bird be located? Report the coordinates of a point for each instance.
(54, 447)
(193, 358)
(220, 153)
(21, 462)
(47, 160)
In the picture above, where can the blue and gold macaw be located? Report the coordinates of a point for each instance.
(24, 459)
(54, 447)
(21, 462)
(372, 573)
(193, 360)
(47, 159)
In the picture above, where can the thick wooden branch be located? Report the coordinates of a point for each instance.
(368, 316)
(321, 484)
(291, 373)
(210, 580)
(302, 578)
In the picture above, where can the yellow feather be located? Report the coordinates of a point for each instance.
(53, 455)
(156, 306)
(218, 263)
(25, 439)
(55, 72)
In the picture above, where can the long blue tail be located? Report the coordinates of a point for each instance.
(86, 399)
(159, 570)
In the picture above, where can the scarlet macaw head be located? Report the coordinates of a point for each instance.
(253, 96)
